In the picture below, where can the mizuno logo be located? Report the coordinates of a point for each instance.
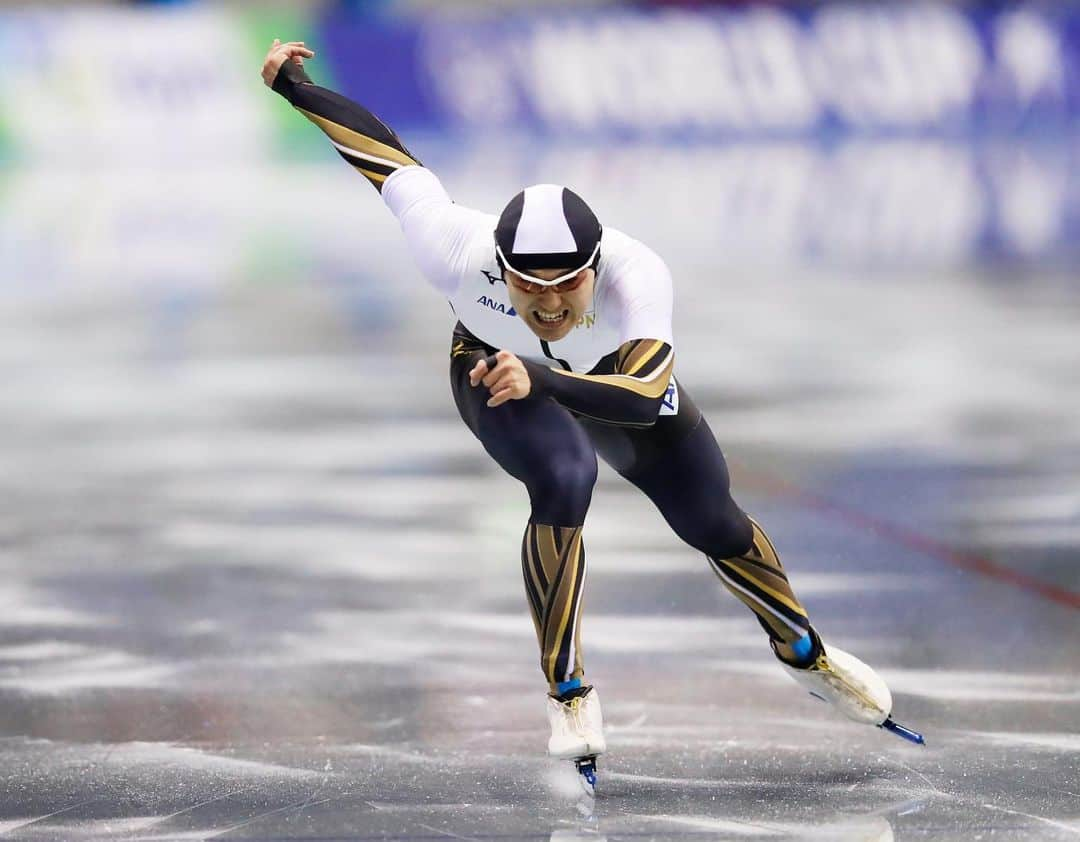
(491, 278)
(497, 306)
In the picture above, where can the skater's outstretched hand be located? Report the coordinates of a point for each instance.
(508, 380)
(279, 54)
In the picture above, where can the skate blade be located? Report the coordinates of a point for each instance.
(901, 731)
(586, 768)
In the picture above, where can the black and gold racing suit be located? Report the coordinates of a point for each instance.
(550, 439)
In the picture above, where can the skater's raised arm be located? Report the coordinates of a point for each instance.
(438, 231)
(360, 137)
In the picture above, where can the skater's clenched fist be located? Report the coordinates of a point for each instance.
(279, 54)
(507, 379)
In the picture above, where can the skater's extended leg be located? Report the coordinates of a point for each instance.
(689, 483)
(757, 578)
(681, 468)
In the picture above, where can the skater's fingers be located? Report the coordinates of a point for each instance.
(501, 363)
(501, 397)
(481, 368)
(511, 390)
(510, 385)
(496, 380)
(293, 50)
(496, 368)
(279, 54)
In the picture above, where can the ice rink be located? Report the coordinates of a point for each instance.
(260, 582)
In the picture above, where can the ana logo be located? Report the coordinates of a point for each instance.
(497, 306)
(670, 404)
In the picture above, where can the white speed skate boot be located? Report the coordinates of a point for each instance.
(853, 687)
(577, 733)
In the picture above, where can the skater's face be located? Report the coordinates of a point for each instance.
(551, 312)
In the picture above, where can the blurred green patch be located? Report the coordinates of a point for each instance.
(7, 147)
(274, 259)
(294, 137)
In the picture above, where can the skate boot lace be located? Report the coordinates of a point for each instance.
(576, 718)
(833, 677)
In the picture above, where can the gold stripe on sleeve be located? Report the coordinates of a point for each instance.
(358, 142)
(625, 350)
(635, 361)
(374, 177)
(652, 387)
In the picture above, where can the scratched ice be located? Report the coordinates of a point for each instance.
(259, 582)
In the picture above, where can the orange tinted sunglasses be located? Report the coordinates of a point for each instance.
(535, 289)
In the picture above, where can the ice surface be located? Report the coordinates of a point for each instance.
(259, 582)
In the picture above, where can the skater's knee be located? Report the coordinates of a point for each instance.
(723, 532)
(561, 489)
(737, 531)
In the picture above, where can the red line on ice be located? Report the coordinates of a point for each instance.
(922, 543)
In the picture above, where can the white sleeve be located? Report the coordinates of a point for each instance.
(643, 294)
(439, 233)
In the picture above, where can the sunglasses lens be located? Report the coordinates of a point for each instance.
(535, 289)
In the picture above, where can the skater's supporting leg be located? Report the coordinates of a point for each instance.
(534, 440)
(538, 442)
(553, 564)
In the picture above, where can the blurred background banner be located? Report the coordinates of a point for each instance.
(761, 70)
(605, 73)
(877, 135)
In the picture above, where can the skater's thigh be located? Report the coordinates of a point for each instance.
(530, 438)
(692, 489)
(634, 451)
(680, 467)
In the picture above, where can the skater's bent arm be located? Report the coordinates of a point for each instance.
(631, 397)
(634, 393)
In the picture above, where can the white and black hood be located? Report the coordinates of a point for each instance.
(547, 226)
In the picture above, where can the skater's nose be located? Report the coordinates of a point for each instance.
(549, 298)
